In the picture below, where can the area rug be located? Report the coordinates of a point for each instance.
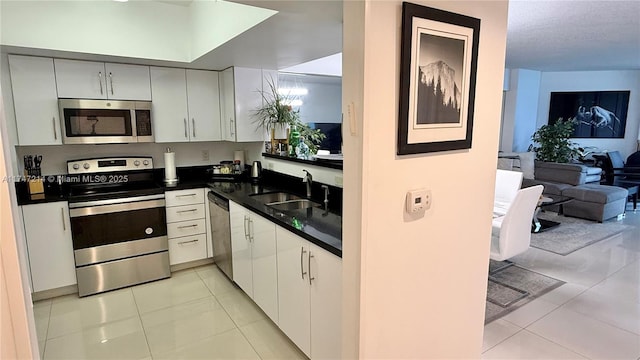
(511, 287)
(573, 234)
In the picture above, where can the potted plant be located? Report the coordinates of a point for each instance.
(553, 142)
(276, 114)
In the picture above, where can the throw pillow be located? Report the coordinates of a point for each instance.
(505, 164)
(527, 164)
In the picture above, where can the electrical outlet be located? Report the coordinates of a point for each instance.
(205, 155)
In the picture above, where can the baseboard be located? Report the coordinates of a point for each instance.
(191, 264)
(48, 294)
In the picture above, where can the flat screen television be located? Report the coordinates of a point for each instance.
(333, 131)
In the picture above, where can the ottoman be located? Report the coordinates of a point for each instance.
(595, 202)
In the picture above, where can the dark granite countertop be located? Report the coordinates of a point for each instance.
(314, 224)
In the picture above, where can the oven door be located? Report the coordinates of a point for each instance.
(106, 230)
(97, 121)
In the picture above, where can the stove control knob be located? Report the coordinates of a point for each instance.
(85, 166)
(136, 163)
(145, 163)
(76, 166)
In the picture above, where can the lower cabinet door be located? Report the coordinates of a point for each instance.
(326, 304)
(187, 248)
(49, 245)
(241, 248)
(264, 264)
(294, 289)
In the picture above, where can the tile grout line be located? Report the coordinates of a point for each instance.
(230, 317)
(146, 339)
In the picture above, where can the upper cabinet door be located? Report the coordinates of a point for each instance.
(203, 97)
(127, 82)
(169, 107)
(35, 99)
(80, 79)
(247, 83)
(227, 106)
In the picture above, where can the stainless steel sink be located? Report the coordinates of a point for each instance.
(274, 197)
(298, 204)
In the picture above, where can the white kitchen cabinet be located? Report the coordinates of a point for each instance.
(49, 245)
(187, 225)
(239, 99)
(97, 80)
(309, 295)
(203, 99)
(35, 100)
(186, 105)
(293, 289)
(253, 244)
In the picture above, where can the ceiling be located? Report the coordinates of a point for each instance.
(573, 35)
(542, 35)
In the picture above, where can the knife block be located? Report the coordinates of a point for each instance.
(36, 186)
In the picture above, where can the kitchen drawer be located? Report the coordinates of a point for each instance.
(184, 197)
(185, 212)
(186, 228)
(187, 248)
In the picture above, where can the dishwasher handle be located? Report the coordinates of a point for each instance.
(218, 200)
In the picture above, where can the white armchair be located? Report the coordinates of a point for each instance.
(507, 185)
(511, 233)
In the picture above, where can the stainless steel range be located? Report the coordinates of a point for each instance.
(118, 223)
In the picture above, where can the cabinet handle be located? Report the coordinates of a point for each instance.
(187, 242)
(100, 78)
(187, 226)
(184, 211)
(186, 135)
(310, 277)
(246, 235)
(183, 195)
(64, 223)
(55, 132)
(302, 252)
(250, 232)
(193, 127)
(231, 127)
(111, 81)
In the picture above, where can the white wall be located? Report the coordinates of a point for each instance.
(420, 282)
(520, 110)
(54, 158)
(596, 81)
(320, 174)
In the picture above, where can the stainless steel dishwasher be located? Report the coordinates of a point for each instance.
(221, 233)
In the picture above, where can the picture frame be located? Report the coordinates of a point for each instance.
(438, 65)
(596, 114)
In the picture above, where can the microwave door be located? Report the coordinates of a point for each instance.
(83, 122)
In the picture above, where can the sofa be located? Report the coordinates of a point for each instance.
(590, 200)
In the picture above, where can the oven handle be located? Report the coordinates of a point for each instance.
(106, 209)
(114, 201)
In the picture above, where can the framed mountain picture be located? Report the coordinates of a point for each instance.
(596, 114)
(439, 56)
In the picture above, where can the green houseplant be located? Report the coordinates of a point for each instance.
(553, 144)
(277, 113)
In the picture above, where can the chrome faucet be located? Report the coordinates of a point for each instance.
(309, 180)
(326, 197)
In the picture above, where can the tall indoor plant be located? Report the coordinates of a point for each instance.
(553, 142)
(276, 112)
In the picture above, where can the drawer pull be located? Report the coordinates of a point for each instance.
(184, 211)
(185, 195)
(187, 226)
(188, 242)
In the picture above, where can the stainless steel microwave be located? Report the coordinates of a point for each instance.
(105, 121)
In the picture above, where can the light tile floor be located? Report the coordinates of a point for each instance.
(595, 315)
(196, 314)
